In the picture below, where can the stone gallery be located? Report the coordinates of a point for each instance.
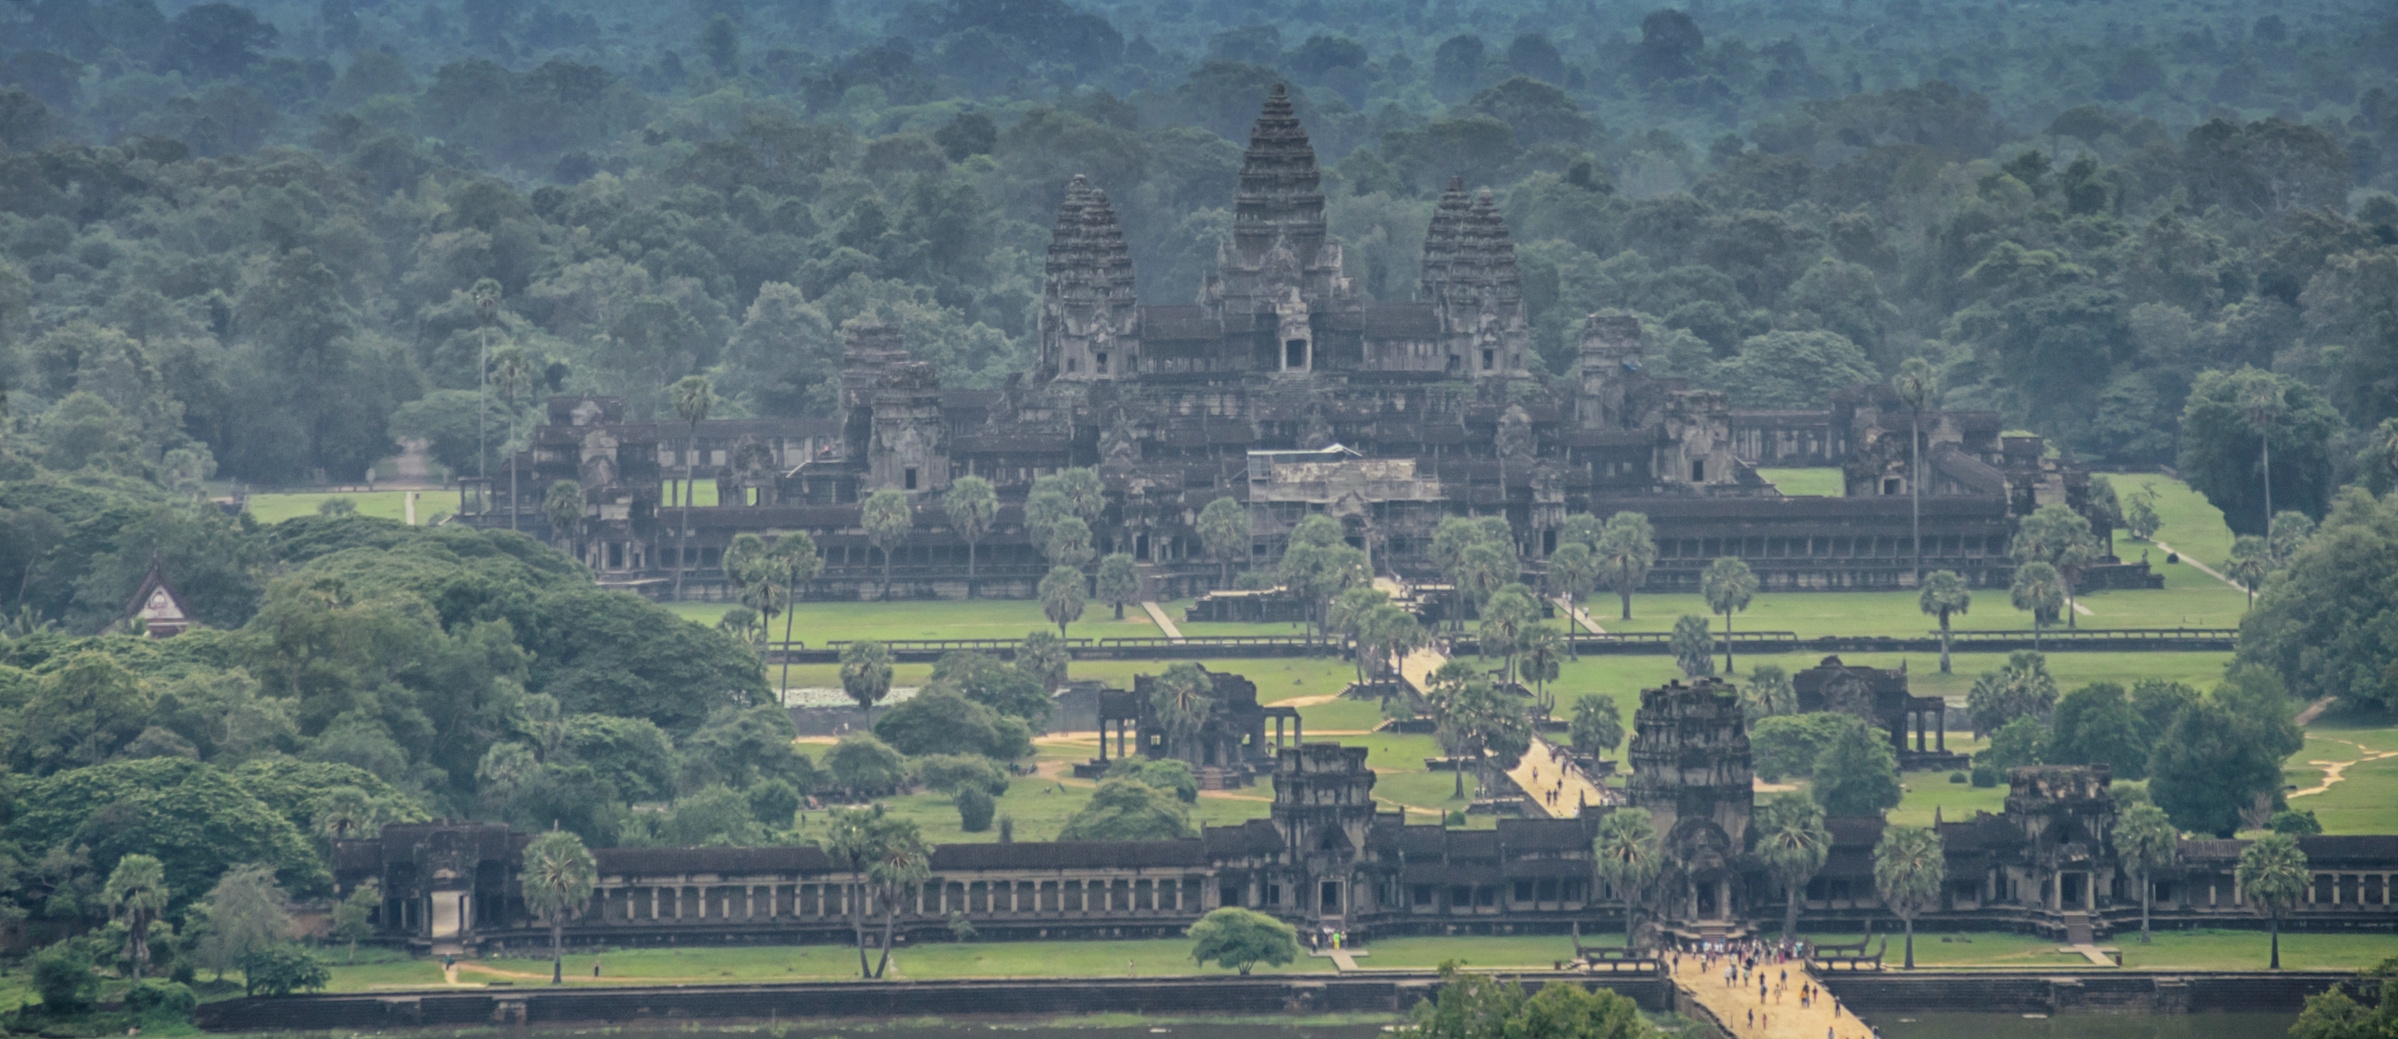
(1285, 390)
(1328, 857)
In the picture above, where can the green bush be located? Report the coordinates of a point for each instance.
(1786, 746)
(62, 976)
(1985, 776)
(1958, 777)
(154, 998)
(974, 809)
(282, 970)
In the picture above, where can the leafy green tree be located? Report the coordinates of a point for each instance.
(1857, 773)
(2023, 688)
(939, 720)
(887, 519)
(1908, 868)
(2094, 725)
(136, 894)
(194, 818)
(1480, 1006)
(2023, 741)
(1128, 810)
(1166, 774)
(1788, 369)
(975, 808)
(694, 397)
(559, 874)
(1628, 857)
(81, 712)
(2272, 874)
(1061, 594)
(1727, 585)
(1627, 547)
(1693, 646)
(1119, 581)
(2140, 513)
(2322, 624)
(859, 762)
(1944, 595)
(1596, 726)
(282, 969)
(1788, 745)
(2215, 761)
(2231, 427)
(1793, 844)
(2038, 590)
(1224, 532)
(2146, 842)
(64, 977)
(354, 915)
(245, 913)
(1241, 939)
(972, 506)
(2289, 533)
(866, 673)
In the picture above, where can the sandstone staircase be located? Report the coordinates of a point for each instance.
(2077, 929)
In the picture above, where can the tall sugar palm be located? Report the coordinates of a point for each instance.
(2147, 842)
(2249, 565)
(887, 519)
(2037, 591)
(694, 397)
(2262, 400)
(1728, 585)
(1793, 844)
(972, 506)
(902, 863)
(2273, 874)
(1629, 858)
(1573, 572)
(1908, 867)
(512, 372)
(1181, 701)
(1224, 532)
(558, 876)
(136, 894)
(852, 841)
(486, 297)
(1917, 386)
(1944, 595)
(563, 506)
(1627, 548)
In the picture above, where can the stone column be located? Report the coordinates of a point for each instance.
(1940, 736)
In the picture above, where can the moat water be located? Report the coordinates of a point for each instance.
(1891, 1026)
(2082, 1026)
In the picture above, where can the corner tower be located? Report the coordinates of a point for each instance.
(1089, 323)
(1280, 269)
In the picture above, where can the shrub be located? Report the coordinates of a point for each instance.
(1985, 776)
(282, 970)
(62, 976)
(155, 998)
(1786, 746)
(1958, 777)
(974, 809)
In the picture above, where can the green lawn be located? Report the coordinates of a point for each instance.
(2365, 800)
(1623, 677)
(2173, 950)
(1807, 483)
(431, 506)
(817, 623)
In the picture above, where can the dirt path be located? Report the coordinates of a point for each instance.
(2335, 771)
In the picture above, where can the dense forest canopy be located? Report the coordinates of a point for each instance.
(263, 242)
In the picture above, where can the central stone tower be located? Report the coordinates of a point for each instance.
(1690, 769)
(1280, 271)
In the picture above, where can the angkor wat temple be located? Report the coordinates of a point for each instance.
(1285, 389)
(1331, 856)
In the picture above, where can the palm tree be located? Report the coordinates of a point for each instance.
(972, 506)
(1061, 597)
(1908, 868)
(1505, 617)
(852, 840)
(866, 673)
(1543, 657)
(1793, 843)
(2272, 874)
(1693, 647)
(513, 371)
(1069, 543)
(2262, 401)
(801, 564)
(486, 297)
(2249, 564)
(1916, 385)
(694, 397)
(1224, 531)
(1628, 859)
(2147, 842)
(1573, 572)
(1180, 699)
(2037, 591)
(902, 861)
(136, 894)
(1348, 616)
(1627, 548)
(564, 507)
(343, 812)
(887, 519)
(1944, 594)
(1728, 585)
(558, 877)
(1085, 494)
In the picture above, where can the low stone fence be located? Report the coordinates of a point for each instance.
(1208, 995)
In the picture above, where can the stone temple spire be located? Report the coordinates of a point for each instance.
(1087, 305)
(1278, 235)
(1470, 275)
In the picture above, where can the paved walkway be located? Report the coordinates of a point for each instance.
(1543, 770)
(1417, 669)
(2202, 567)
(1343, 959)
(1781, 1018)
(1581, 617)
(1158, 614)
(2092, 953)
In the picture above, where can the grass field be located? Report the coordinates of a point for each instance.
(1806, 483)
(431, 506)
